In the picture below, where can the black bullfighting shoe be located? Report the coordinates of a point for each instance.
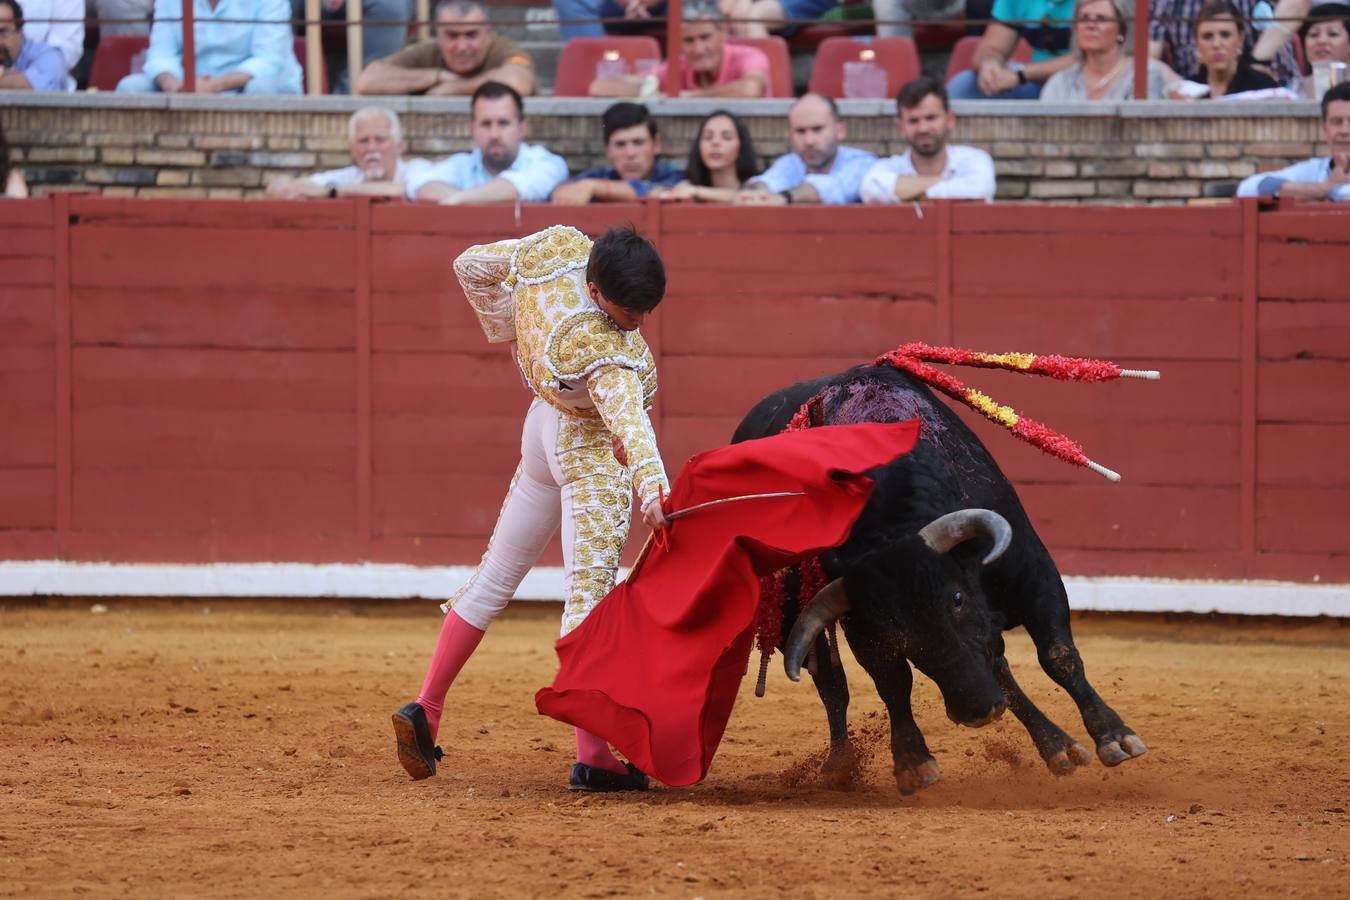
(589, 778)
(416, 751)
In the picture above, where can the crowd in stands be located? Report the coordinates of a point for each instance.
(1078, 52)
(1061, 50)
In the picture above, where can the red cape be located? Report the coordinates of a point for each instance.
(655, 668)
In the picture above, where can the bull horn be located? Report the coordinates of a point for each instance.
(825, 608)
(945, 532)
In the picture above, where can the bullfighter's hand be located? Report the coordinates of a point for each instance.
(655, 517)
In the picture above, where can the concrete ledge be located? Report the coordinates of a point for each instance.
(53, 578)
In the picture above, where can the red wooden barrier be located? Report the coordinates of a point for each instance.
(187, 381)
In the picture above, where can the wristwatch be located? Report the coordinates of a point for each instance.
(786, 195)
(332, 191)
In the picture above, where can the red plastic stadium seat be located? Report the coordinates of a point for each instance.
(896, 55)
(576, 66)
(964, 52)
(112, 59)
(780, 63)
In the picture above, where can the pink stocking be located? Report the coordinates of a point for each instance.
(456, 644)
(594, 752)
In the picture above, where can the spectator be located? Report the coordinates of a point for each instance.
(819, 169)
(1105, 68)
(1224, 67)
(929, 169)
(756, 18)
(466, 53)
(1319, 178)
(894, 17)
(581, 18)
(243, 46)
(66, 34)
(633, 148)
(1171, 32)
(1326, 38)
(1044, 24)
(384, 29)
(712, 67)
(11, 179)
(123, 17)
(502, 166)
(721, 160)
(26, 65)
(375, 139)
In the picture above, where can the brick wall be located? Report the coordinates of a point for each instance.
(231, 147)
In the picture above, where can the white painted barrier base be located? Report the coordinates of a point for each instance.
(53, 578)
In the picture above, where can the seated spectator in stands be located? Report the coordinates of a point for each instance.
(384, 31)
(1171, 34)
(1326, 39)
(135, 16)
(930, 169)
(633, 148)
(375, 139)
(756, 18)
(501, 167)
(712, 67)
(243, 46)
(1319, 178)
(1105, 68)
(721, 160)
(1224, 67)
(26, 65)
(1044, 24)
(819, 169)
(466, 52)
(59, 24)
(581, 18)
(11, 179)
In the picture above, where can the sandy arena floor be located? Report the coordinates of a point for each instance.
(245, 751)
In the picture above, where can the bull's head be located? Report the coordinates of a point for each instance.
(929, 603)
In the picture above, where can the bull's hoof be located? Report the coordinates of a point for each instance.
(913, 777)
(1119, 747)
(842, 769)
(1065, 761)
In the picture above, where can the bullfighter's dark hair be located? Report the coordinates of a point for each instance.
(626, 268)
(495, 90)
(912, 93)
(625, 115)
(747, 163)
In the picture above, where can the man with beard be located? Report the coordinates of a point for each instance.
(375, 139)
(712, 67)
(501, 167)
(633, 148)
(819, 169)
(26, 65)
(466, 53)
(930, 169)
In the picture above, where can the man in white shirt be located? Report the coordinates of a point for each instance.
(375, 139)
(930, 169)
(501, 167)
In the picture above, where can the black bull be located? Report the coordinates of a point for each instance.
(942, 560)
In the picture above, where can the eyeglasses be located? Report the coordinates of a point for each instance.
(8, 31)
(1095, 20)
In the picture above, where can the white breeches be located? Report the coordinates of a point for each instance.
(567, 475)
